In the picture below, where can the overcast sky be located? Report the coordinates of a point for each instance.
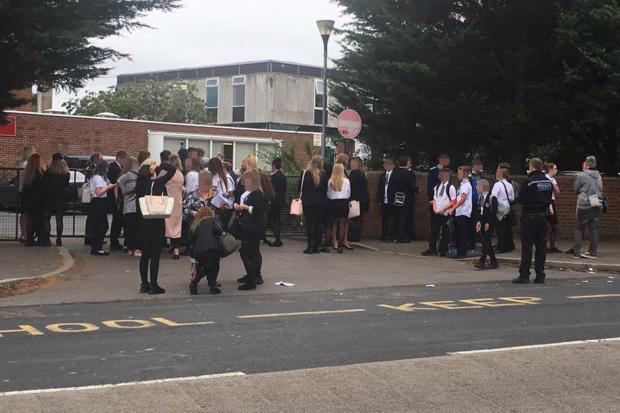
(213, 32)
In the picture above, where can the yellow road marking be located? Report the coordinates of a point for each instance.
(409, 307)
(72, 327)
(575, 297)
(355, 310)
(128, 324)
(170, 323)
(24, 328)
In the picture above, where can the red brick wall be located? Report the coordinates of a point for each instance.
(77, 135)
(24, 94)
(609, 227)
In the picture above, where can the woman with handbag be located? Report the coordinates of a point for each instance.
(57, 194)
(338, 193)
(205, 231)
(313, 186)
(252, 210)
(174, 223)
(359, 193)
(151, 232)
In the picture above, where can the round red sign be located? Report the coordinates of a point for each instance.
(349, 124)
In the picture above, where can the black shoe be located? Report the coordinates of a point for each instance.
(144, 288)
(193, 288)
(243, 279)
(493, 265)
(276, 244)
(554, 250)
(58, 242)
(521, 280)
(214, 291)
(100, 253)
(480, 265)
(430, 253)
(340, 250)
(570, 251)
(309, 251)
(259, 280)
(247, 287)
(539, 280)
(156, 289)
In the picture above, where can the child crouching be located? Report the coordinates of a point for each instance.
(204, 250)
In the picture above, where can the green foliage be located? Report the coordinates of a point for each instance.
(152, 100)
(494, 79)
(291, 164)
(49, 43)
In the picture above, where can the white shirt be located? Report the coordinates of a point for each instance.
(465, 209)
(344, 193)
(221, 200)
(555, 183)
(385, 191)
(244, 198)
(191, 181)
(97, 181)
(441, 201)
(504, 192)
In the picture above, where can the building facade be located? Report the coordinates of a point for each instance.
(261, 95)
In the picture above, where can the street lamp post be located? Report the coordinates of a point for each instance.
(325, 28)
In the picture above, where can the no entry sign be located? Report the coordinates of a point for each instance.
(349, 124)
(10, 128)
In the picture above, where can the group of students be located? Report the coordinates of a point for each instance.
(326, 193)
(45, 193)
(207, 197)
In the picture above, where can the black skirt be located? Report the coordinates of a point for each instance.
(339, 208)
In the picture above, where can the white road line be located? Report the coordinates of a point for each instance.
(576, 297)
(534, 346)
(133, 383)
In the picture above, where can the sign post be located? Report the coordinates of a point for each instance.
(349, 126)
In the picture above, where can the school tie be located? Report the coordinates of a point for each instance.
(442, 190)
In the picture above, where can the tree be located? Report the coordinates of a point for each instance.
(497, 79)
(48, 42)
(152, 100)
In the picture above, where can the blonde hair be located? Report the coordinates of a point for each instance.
(251, 181)
(27, 151)
(250, 163)
(343, 159)
(175, 161)
(337, 178)
(203, 213)
(314, 167)
(148, 162)
(59, 166)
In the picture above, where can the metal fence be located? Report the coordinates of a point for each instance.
(75, 216)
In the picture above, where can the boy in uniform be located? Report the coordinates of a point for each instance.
(485, 216)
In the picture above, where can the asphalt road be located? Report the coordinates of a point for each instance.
(87, 344)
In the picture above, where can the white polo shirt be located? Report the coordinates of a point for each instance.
(465, 209)
(444, 196)
(504, 192)
(555, 183)
(97, 181)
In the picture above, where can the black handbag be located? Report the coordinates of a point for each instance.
(234, 226)
(227, 244)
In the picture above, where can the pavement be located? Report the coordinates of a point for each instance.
(116, 278)
(19, 262)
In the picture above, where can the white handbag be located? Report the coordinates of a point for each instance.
(85, 195)
(156, 206)
(354, 209)
(297, 208)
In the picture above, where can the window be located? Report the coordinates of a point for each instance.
(318, 101)
(212, 97)
(238, 83)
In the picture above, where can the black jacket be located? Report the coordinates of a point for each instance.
(114, 172)
(359, 189)
(205, 237)
(432, 181)
(400, 181)
(488, 213)
(253, 225)
(57, 191)
(536, 193)
(152, 228)
(34, 194)
(314, 196)
(278, 181)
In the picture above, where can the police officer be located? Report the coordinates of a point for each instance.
(535, 196)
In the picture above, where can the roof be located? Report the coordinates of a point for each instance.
(267, 66)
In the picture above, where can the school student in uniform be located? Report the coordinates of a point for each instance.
(485, 217)
(338, 193)
(127, 185)
(252, 209)
(313, 184)
(551, 170)
(503, 191)
(443, 196)
(386, 195)
(99, 192)
(279, 184)
(114, 172)
(205, 254)
(462, 211)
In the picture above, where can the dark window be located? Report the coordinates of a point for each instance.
(318, 116)
(239, 114)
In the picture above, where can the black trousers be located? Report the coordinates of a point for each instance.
(356, 228)
(314, 218)
(88, 229)
(151, 252)
(252, 259)
(131, 231)
(37, 227)
(208, 266)
(409, 224)
(403, 220)
(440, 234)
(487, 245)
(274, 222)
(533, 234)
(462, 227)
(505, 238)
(388, 217)
(117, 225)
(99, 223)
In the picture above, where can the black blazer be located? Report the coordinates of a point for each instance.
(253, 225)
(152, 228)
(359, 188)
(57, 191)
(279, 183)
(432, 181)
(395, 185)
(114, 172)
(314, 196)
(488, 215)
(205, 237)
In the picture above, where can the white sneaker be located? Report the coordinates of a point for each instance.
(589, 255)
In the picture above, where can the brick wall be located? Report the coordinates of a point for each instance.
(79, 135)
(25, 94)
(609, 227)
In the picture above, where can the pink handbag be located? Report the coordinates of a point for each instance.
(297, 208)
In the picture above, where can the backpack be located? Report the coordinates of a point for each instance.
(474, 191)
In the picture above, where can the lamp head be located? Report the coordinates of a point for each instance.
(325, 27)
